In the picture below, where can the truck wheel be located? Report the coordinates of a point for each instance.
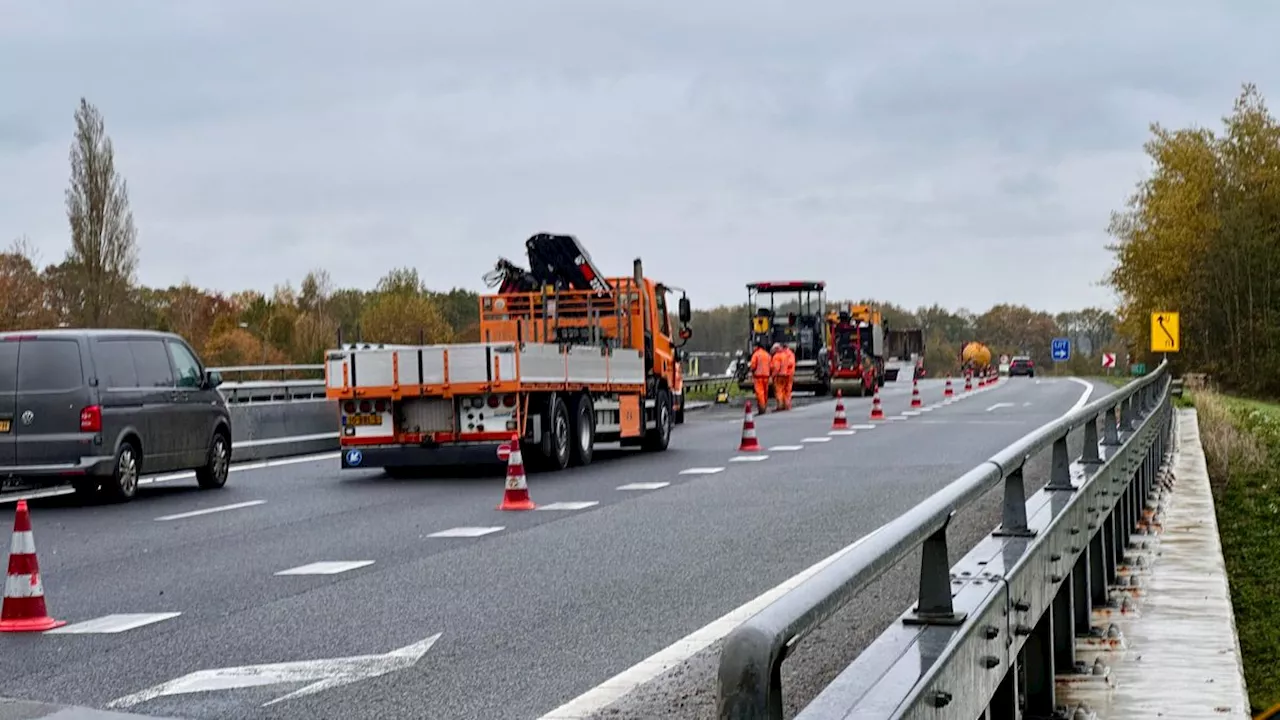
(584, 431)
(658, 439)
(556, 455)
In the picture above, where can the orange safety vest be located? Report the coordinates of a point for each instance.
(760, 361)
(789, 364)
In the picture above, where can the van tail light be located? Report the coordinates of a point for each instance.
(91, 419)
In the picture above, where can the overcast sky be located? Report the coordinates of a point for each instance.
(965, 153)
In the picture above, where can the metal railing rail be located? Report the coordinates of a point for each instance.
(976, 627)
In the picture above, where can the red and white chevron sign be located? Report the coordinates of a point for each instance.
(1108, 360)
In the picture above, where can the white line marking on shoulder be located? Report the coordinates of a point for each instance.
(210, 511)
(1084, 396)
(111, 624)
(327, 567)
(578, 505)
(466, 532)
(611, 690)
(644, 486)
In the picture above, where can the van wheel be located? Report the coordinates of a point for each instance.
(123, 483)
(213, 474)
(584, 430)
(658, 439)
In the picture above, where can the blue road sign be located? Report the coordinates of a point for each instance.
(1061, 349)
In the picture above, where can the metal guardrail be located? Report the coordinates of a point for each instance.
(993, 632)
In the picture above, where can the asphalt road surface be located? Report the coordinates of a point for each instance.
(302, 591)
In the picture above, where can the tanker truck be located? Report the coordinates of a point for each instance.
(975, 358)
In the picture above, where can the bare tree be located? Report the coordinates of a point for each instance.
(104, 251)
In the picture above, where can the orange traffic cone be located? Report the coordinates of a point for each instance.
(968, 382)
(876, 412)
(840, 422)
(947, 391)
(516, 496)
(24, 609)
(749, 441)
(915, 394)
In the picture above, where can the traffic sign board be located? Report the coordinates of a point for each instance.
(1004, 359)
(1108, 360)
(504, 451)
(1061, 349)
(1164, 332)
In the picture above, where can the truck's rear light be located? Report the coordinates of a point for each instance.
(494, 401)
(380, 405)
(509, 400)
(511, 425)
(91, 419)
(366, 406)
(348, 407)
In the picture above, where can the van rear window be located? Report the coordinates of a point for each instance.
(49, 364)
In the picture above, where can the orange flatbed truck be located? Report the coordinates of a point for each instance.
(567, 370)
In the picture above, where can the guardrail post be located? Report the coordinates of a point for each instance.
(1098, 566)
(1128, 418)
(1090, 455)
(1110, 429)
(934, 606)
(1060, 468)
(1013, 522)
(1037, 655)
(1081, 599)
(1064, 636)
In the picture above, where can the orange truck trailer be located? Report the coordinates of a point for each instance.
(568, 367)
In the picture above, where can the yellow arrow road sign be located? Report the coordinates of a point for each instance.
(1164, 332)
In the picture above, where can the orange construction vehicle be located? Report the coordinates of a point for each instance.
(568, 360)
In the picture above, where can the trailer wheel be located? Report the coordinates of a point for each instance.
(559, 431)
(584, 430)
(658, 439)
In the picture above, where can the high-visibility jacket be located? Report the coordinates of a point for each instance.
(789, 362)
(760, 361)
(778, 363)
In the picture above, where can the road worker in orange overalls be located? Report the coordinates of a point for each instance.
(788, 375)
(760, 373)
(778, 368)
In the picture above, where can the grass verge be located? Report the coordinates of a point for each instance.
(1241, 441)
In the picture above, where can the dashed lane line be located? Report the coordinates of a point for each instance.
(581, 505)
(841, 433)
(210, 511)
(786, 448)
(748, 458)
(469, 532)
(702, 471)
(111, 624)
(816, 440)
(328, 567)
(644, 486)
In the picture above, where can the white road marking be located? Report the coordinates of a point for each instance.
(1084, 396)
(613, 689)
(321, 674)
(897, 418)
(841, 433)
(748, 458)
(816, 440)
(862, 427)
(110, 624)
(467, 532)
(702, 471)
(999, 405)
(581, 505)
(928, 408)
(210, 511)
(786, 448)
(1026, 404)
(644, 486)
(327, 567)
(155, 479)
(911, 413)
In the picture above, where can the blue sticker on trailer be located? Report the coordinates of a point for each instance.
(354, 457)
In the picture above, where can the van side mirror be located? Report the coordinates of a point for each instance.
(686, 310)
(212, 379)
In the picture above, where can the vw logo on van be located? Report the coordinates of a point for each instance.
(28, 417)
(354, 457)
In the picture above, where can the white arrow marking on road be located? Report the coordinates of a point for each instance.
(999, 405)
(322, 674)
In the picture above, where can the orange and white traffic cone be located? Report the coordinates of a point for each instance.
(24, 609)
(840, 422)
(915, 394)
(947, 391)
(749, 441)
(877, 413)
(968, 382)
(516, 495)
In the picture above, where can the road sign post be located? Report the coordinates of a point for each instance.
(1061, 349)
(1165, 337)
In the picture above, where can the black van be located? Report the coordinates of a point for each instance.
(97, 408)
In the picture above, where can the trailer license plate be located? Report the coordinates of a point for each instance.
(365, 419)
(4, 426)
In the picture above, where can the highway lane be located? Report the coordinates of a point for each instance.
(529, 616)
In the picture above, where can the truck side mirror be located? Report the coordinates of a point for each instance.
(686, 310)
